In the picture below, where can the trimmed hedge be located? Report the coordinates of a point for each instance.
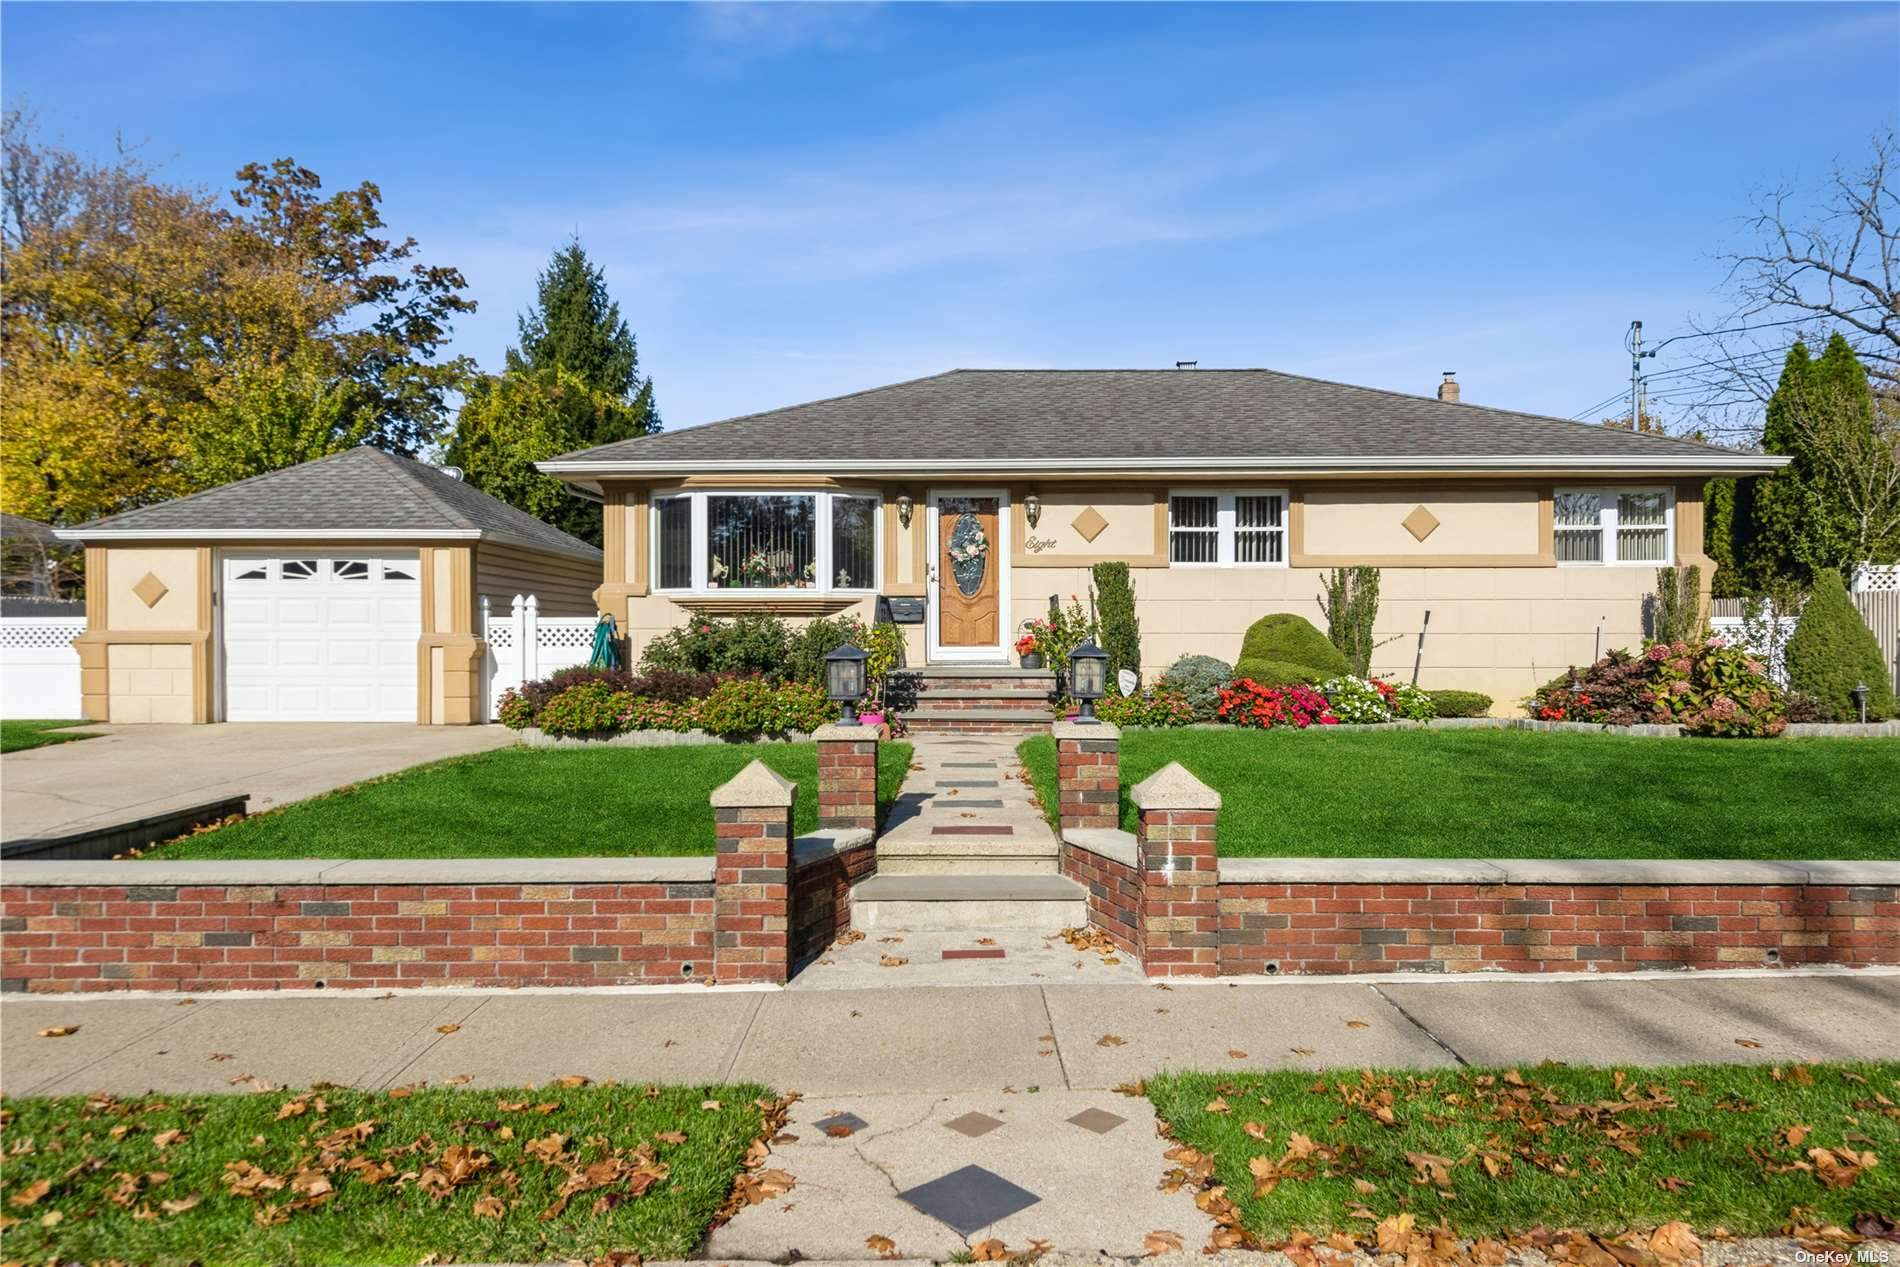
(1461, 703)
(1286, 650)
(1832, 649)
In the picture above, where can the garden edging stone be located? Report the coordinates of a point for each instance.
(1600, 871)
(535, 737)
(431, 871)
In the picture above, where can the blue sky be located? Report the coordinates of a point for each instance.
(793, 201)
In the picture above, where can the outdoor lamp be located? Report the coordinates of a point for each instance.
(1032, 509)
(844, 681)
(903, 509)
(1860, 699)
(1088, 675)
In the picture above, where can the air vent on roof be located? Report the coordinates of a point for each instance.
(453, 472)
(1186, 365)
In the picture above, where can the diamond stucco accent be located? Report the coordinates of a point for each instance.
(150, 589)
(1089, 523)
(1421, 523)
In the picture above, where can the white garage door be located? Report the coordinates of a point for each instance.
(321, 637)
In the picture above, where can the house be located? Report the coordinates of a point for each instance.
(1530, 541)
(344, 589)
(350, 588)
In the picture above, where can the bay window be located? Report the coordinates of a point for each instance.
(1614, 526)
(765, 541)
(1227, 529)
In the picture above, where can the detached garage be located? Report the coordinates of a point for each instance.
(345, 589)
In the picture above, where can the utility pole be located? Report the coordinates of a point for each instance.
(1635, 345)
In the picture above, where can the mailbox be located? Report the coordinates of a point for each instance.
(900, 611)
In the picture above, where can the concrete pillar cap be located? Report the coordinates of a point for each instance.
(758, 786)
(1066, 729)
(842, 730)
(1172, 787)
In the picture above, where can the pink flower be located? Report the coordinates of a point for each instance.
(1723, 708)
(1657, 652)
(1756, 667)
(1679, 666)
(1679, 647)
(1718, 642)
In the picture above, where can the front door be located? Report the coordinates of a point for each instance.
(970, 558)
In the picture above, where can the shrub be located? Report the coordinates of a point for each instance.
(747, 644)
(1355, 701)
(756, 706)
(1115, 611)
(1351, 604)
(1065, 629)
(1460, 703)
(1832, 649)
(1158, 707)
(806, 648)
(1286, 650)
(1675, 609)
(1198, 679)
(1706, 687)
(1248, 703)
(1407, 702)
(676, 688)
(514, 711)
(652, 713)
(588, 708)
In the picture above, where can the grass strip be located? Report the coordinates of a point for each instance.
(1346, 793)
(1745, 1149)
(529, 803)
(18, 735)
(342, 1176)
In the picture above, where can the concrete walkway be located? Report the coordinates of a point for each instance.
(938, 1117)
(131, 772)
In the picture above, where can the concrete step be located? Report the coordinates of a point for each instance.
(919, 853)
(1039, 903)
(979, 721)
(999, 694)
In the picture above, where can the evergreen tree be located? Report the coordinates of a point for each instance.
(573, 383)
(1770, 507)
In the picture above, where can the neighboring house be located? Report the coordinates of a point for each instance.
(345, 589)
(1531, 541)
(35, 563)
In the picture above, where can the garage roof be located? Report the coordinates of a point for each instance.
(359, 494)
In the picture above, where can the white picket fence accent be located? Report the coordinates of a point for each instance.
(39, 670)
(1876, 578)
(524, 645)
(1734, 628)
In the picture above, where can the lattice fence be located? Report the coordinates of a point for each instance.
(39, 670)
(525, 645)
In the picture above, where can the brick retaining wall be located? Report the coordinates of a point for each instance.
(1106, 868)
(823, 872)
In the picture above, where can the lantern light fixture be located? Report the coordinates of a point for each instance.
(844, 681)
(1032, 509)
(903, 509)
(1088, 679)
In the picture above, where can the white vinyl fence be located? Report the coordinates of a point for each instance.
(39, 670)
(524, 645)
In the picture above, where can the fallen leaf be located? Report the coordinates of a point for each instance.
(990, 1251)
(1218, 1105)
(838, 1130)
(573, 1080)
(1795, 1134)
(1358, 1024)
(671, 1137)
(31, 1194)
(165, 1139)
(710, 1106)
(1110, 1040)
(1747, 1042)
(1255, 1130)
(891, 961)
(182, 1204)
(1301, 1051)
(1162, 1242)
(59, 1031)
(1236, 1054)
(1394, 1233)
(882, 1246)
(1675, 1241)
(52, 1218)
(447, 1029)
(986, 941)
(1364, 1188)
(488, 1207)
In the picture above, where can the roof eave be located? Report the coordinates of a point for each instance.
(362, 536)
(575, 472)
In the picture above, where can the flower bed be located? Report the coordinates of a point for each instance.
(732, 707)
(1708, 688)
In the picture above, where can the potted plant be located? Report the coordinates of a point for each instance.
(1029, 646)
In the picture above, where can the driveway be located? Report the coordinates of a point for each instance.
(135, 771)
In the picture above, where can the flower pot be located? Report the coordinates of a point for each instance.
(1033, 660)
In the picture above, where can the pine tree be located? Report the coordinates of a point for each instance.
(1770, 507)
(573, 383)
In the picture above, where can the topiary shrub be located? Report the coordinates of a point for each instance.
(1198, 679)
(1461, 703)
(1115, 615)
(1832, 649)
(1286, 650)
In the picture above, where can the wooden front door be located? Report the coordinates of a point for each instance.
(969, 606)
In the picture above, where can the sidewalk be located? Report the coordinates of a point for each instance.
(940, 1116)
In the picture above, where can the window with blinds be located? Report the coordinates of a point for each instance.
(1227, 529)
(1608, 526)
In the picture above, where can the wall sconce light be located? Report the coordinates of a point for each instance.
(903, 509)
(1032, 509)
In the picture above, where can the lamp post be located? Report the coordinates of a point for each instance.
(1088, 678)
(1860, 700)
(844, 681)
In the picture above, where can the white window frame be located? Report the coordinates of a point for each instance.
(1226, 525)
(822, 521)
(1607, 495)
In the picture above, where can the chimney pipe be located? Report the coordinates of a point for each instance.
(1448, 390)
(1186, 365)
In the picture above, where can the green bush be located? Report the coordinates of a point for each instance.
(1159, 707)
(755, 706)
(591, 708)
(1115, 613)
(1286, 650)
(1410, 703)
(1832, 649)
(1198, 679)
(807, 647)
(1461, 703)
(747, 644)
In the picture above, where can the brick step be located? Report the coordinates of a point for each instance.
(992, 900)
(1032, 705)
(971, 721)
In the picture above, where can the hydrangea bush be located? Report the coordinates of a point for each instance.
(1157, 707)
(1707, 687)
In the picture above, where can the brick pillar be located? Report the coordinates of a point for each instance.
(1088, 774)
(1177, 929)
(847, 777)
(752, 884)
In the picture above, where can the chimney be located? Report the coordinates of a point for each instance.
(1448, 390)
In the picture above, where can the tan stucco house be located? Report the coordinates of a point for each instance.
(345, 589)
(1531, 541)
(350, 588)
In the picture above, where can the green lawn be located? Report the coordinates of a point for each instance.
(17, 736)
(1494, 1151)
(460, 1175)
(1347, 793)
(529, 803)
